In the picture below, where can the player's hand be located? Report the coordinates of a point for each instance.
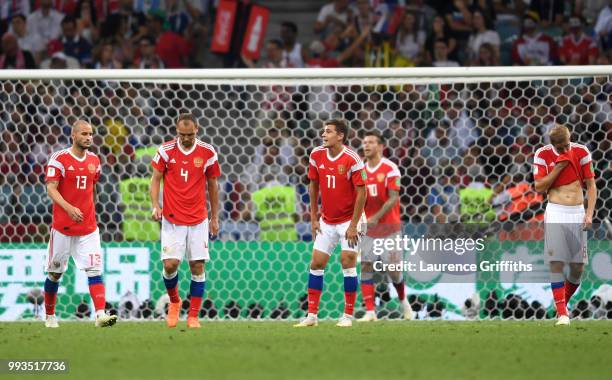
(214, 227)
(75, 214)
(587, 222)
(561, 165)
(316, 228)
(352, 236)
(156, 214)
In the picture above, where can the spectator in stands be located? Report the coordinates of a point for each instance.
(135, 21)
(293, 52)
(8, 10)
(364, 17)
(441, 55)
(67, 7)
(439, 31)
(106, 57)
(481, 34)
(603, 26)
(87, 20)
(550, 12)
(588, 9)
(178, 18)
(533, 47)
(45, 22)
(148, 57)
(410, 40)
(73, 44)
(172, 48)
(424, 13)
(13, 57)
(336, 11)
(487, 56)
(27, 40)
(577, 48)
(274, 56)
(459, 20)
(59, 60)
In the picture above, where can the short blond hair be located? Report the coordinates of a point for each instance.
(558, 133)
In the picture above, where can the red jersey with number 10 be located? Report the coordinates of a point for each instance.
(380, 180)
(185, 174)
(77, 178)
(337, 177)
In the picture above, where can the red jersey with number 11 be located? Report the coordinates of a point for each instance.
(185, 174)
(337, 177)
(77, 178)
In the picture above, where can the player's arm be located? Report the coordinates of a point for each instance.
(74, 213)
(313, 191)
(543, 184)
(156, 179)
(213, 193)
(352, 235)
(591, 199)
(388, 205)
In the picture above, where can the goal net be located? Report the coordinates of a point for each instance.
(464, 141)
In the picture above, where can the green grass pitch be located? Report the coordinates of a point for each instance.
(276, 350)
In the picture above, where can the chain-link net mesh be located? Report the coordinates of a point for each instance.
(443, 136)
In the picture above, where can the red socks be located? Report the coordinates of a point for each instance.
(558, 291)
(194, 306)
(98, 296)
(570, 289)
(367, 293)
(349, 302)
(174, 294)
(314, 296)
(401, 292)
(50, 299)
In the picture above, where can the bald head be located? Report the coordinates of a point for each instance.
(82, 134)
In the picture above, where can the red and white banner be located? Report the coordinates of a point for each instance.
(255, 32)
(224, 26)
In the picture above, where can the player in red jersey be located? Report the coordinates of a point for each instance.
(187, 166)
(561, 169)
(382, 211)
(71, 177)
(337, 172)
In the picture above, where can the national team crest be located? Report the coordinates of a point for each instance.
(341, 169)
(380, 177)
(91, 168)
(198, 162)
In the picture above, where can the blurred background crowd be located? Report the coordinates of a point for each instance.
(300, 33)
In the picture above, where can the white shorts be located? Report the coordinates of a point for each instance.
(565, 239)
(369, 255)
(85, 251)
(331, 235)
(179, 241)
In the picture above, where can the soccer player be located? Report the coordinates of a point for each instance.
(71, 178)
(561, 169)
(337, 173)
(187, 166)
(382, 211)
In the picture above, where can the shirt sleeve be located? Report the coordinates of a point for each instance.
(358, 174)
(313, 172)
(212, 169)
(540, 169)
(586, 166)
(54, 171)
(160, 160)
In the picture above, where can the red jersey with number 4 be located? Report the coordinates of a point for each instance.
(380, 180)
(185, 174)
(580, 165)
(337, 177)
(77, 179)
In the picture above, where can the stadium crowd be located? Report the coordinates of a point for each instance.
(177, 33)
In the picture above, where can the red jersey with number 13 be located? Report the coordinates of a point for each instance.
(337, 177)
(380, 179)
(185, 174)
(77, 178)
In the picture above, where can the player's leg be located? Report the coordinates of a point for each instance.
(557, 285)
(87, 255)
(368, 291)
(197, 254)
(573, 280)
(173, 242)
(57, 262)
(348, 259)
(397, 278)
(556, 254)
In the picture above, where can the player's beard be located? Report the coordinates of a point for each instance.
(84, 147)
